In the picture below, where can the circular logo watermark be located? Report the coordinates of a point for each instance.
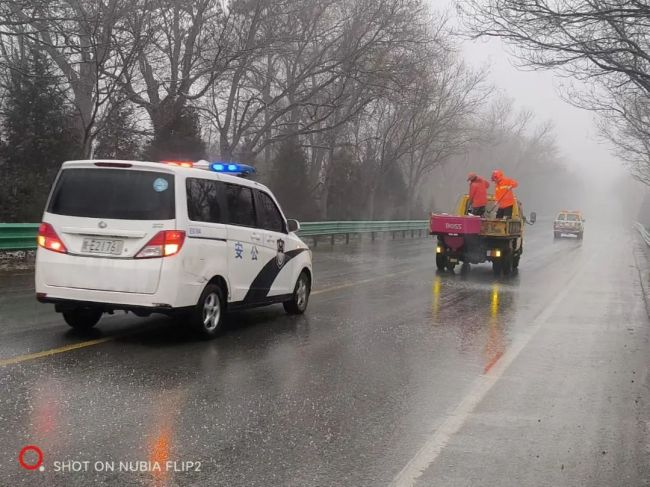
(38, 465)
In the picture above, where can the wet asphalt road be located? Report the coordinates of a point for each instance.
(396, 374)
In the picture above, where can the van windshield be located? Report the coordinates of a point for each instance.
(114, 194)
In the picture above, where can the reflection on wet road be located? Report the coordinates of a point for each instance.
(349, 393)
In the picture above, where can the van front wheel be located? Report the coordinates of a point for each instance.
(82, 318)
(298, 303)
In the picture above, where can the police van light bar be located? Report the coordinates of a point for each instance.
(179, 163)
(231, 168)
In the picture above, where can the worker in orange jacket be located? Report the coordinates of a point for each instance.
(503, 194)
(477, 194)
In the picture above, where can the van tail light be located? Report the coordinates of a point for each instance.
(163, 244)
(48, 239)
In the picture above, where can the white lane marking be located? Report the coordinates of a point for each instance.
(437, 441)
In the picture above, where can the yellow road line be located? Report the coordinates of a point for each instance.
(357, 283)
(54, 351)
(89, 343)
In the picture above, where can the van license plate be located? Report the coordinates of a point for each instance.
(102, 246)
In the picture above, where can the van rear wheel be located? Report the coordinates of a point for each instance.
(207, 317)
(82, 318)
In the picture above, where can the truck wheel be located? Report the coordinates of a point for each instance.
(515, 262)
(82, 318)
(451, 267)
(557, 235)
(441, 262)
(465, 268)
(496, 267)
(580, 236)
(507, 265)
(207, 317)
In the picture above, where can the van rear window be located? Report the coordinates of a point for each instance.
(114, 194)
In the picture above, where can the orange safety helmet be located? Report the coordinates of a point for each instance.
(497, 174)
(472, 176)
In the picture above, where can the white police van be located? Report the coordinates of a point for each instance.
(180, 238)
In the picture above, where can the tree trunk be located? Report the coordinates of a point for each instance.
(371, 203)
(225, 149)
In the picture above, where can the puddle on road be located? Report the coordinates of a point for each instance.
(480, 311)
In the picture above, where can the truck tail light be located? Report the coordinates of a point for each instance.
(164, 244)
(48, 239)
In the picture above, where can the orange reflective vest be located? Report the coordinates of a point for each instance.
(478, 192)
(503, 193)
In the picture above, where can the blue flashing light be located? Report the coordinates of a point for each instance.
(230, 168)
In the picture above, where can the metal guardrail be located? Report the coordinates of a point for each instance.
(22, 236)
(18, 236)
(644, 233)
(334, 228)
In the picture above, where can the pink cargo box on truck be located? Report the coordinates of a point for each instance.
(450, 224)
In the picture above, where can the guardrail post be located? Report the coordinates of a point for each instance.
(403, 233)
(347, 238)
(332, 239)
(372, 236)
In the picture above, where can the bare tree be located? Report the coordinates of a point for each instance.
(80, 37)
(605, 44)
(326, 60)
(503, 138)
(186, 47)
(447, 111)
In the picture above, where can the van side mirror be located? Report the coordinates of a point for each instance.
(293, 226)
(533, 217)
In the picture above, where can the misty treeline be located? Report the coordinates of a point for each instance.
(602, 45)
(511, 140)
(349, 109)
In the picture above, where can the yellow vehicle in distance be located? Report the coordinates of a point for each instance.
(569, 223)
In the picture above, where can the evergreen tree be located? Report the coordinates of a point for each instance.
(38, 137)
(393, 203)
(289, 181)
(118, 139)
(344, 200)
(179, 139)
